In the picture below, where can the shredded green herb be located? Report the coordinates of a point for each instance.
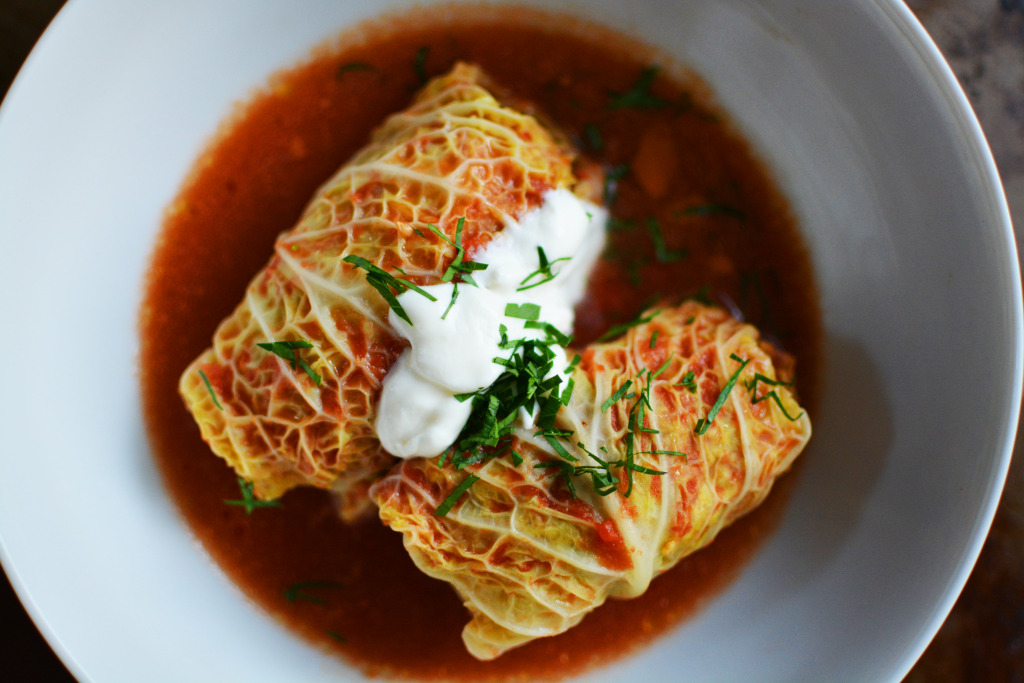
(209, 387)
(664, 366)
(249, 501)
(543, 271)
(384, 282)
(704, 424)
(592, 134)
(523, 311)
(661, 250)
(616, 396)
(459, 270)
(703, 296)
(301, 591)
(620, 224)
(639, 96)
(287, 350)
(448, 503)
(351, 67)
(604, 481)
(337, 636)
(419, 64)
(654, 340)
(616, 330)
(688, 382)
(751, 386)
(528, 382)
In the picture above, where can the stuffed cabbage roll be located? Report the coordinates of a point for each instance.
(674, 430)
(287, 393)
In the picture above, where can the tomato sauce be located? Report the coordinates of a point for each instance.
(693, 209)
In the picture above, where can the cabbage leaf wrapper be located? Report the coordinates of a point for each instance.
(455, 153)
(528, 556)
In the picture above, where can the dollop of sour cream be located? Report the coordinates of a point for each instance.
(418, 414)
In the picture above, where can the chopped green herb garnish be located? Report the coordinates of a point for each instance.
(459, 270)
(300, 591)
(543, 272)
(451, 302)
(620, 224)
(704, 424)
(703, 296)
(287, 351)
(337, 636)
(639, 96)
(602, 478)
(527, 383)
(249, 501)
(350, 67)
(773, 394)
(654, 340)
(419, 63)
(662, 453)
(209, 387)
(522, 311)
(592, 134)
(661, 250)
(384, 282)
(688, 382)
(616, 396)
(616, 330)
(448, 503)
(663, 368)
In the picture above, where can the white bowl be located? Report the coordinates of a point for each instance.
(869, 135)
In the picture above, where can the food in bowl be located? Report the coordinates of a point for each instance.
(682, 392)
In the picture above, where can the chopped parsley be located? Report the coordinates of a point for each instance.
(287, 351)
(249, 501)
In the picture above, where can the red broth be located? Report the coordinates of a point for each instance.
(695, 212)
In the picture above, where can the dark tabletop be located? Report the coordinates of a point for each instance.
(983, 639)
(24, 655)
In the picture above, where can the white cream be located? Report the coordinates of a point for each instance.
(418, 414)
